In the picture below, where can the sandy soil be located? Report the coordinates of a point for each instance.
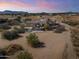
(55, 44)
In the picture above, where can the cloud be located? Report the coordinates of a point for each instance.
(17, 3)
(14, 5)
(34, 5)
(45, 5)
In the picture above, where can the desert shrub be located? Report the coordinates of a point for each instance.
(15, 27)
(22, 25)
(18, 18)
(75, 39)
(60, 29)
(13, 48)
(19, 30)
(13, 22)
(4, 26)
(24, 55)
(33, 40)
(2, 52)
(71, 22)
(76, 44)
(46, 27)
(75, 34)
(1, 30)
(10, 35)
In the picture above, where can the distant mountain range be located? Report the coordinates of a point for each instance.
(12, 12)
(23, 12)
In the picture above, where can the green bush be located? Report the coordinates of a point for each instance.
(10, 35)
(33, 40)
(24, 55)
(46, 27)
(13, 48)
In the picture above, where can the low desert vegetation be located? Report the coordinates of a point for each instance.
(17, 24)
(10, 35)
(46, 27)
(24, 55)
(75, 34)
(33, 41)
(59, 29)
(71, 22)
(75, 39)
(3, 52)
(13, 48)
(1, 30)
(5, 27)
(19, 30)
(18, 18)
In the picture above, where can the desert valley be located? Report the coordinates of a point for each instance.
(39, 35)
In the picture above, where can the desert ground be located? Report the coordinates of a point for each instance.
(57, 45)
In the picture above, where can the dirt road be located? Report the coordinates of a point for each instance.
(69, 49)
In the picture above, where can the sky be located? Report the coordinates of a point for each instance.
(40, 5)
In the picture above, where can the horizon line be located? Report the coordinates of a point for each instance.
(39, 12)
